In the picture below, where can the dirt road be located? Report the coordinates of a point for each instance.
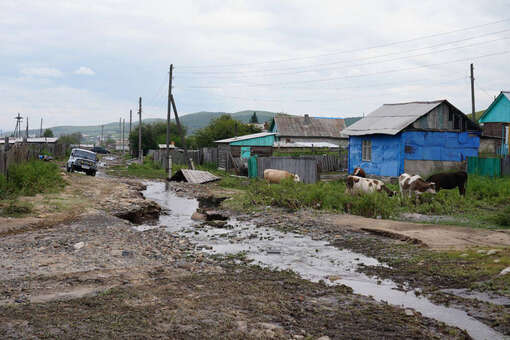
(96, 276)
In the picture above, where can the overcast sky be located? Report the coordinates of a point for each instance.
(87, 62)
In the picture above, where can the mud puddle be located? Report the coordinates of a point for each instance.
(312, 259)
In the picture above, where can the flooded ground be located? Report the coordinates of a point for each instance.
(314, 260)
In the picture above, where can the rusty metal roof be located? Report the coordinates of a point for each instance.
(390, 119)
(194, 176)
(299, 126)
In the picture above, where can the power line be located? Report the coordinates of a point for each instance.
(350, 51)
(362, 75)
(360, 58)
(369, 63)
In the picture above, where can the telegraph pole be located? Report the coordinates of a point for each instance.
(17, 130)
(181, 131)
(27, 129)
(102, 128)
(140, 154)
(169, 111)
(40, 130)
(120, 130)
(123, 129)
(473, 93)
(130, 120)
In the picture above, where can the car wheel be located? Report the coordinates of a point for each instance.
(72, 168)
(92, 173)
(67, 168)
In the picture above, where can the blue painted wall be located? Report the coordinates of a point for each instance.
(257, 141)
(390, 152)
(498, 112)
(386, 155)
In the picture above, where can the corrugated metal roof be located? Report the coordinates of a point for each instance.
(283, 144)
(390, 119)
(30, 140)
(194, 176)
(507, 94)
(296, 126)
(253, 135)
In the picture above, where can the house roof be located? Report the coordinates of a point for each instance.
(390, 119)
(245, 137)
(502, 93)
(295, 126)
(30, 140)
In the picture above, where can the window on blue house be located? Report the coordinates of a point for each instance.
(366, 150)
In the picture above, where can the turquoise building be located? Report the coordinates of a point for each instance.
(495, 121)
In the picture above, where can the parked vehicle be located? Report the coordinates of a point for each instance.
(100, 149)
(82, 160)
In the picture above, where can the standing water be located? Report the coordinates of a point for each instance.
(312, 259)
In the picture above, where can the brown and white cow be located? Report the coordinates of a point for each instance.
(414, 184)
(359, 172)
(356, 185)
(276, 176)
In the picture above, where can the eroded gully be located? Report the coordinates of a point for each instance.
(313, 260)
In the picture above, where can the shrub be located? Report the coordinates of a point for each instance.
(503, 218)
(33, 177)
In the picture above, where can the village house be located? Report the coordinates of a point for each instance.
(307, 132)
(417, 138)
(495, 122)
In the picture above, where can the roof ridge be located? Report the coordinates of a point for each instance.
(419, 102)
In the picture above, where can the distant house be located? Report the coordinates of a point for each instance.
(496, 121)
(306, 131)
(417, 138)
(260, 144)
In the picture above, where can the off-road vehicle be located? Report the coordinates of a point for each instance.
(82, 160)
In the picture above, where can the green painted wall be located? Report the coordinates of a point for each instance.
(257, 141)
(498, 112)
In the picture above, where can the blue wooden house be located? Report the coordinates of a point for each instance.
(496, 121)
(417, 137)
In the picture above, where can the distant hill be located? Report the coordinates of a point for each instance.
(192, 121)
(478, 115)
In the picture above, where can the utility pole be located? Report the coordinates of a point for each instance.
(181, 131)
(140, 154)
(17, 130)
(27, 129)
(168, 170)
(472, 94)
(123, 125)
(102, 128)
(40, 130)
(120, 130)
(130, 120)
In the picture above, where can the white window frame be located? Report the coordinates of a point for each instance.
(366, 150)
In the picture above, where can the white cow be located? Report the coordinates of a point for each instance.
(276, 176)
(414, 184)
(356, 184)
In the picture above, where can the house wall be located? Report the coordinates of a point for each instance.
(339, 142)
(493, 129)
(414, 151)
(386, 155)
(499, 111)
(258, 141)
(439, 119)
(489, 145)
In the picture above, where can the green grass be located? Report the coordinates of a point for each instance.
(31, 178)
(485, 205)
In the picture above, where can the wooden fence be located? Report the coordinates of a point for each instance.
(305, 167)
(21, 152)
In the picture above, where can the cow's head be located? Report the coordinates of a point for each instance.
(431, 188)
(296, 178)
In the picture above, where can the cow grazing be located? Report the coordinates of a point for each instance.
(359, 172)
(450, 181)
(276, 176)
(356, 184)
(414, 184)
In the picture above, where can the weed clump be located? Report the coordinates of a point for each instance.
(31, 178)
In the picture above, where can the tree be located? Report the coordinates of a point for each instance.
(152, 135)
(221, 128)
(254, 119)
(48, 133)
(73, 138)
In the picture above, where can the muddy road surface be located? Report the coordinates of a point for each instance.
(114, 270)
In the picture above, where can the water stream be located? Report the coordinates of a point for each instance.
(312, 259)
